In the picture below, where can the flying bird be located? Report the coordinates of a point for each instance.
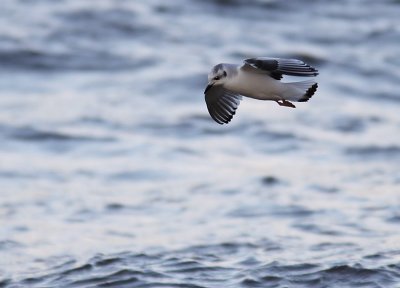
(257, 78)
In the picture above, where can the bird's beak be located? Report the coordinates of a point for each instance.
(208, 87)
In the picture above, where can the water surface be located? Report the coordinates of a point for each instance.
(114, 175)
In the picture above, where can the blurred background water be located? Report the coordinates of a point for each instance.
(114, 175)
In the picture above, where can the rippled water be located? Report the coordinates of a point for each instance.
(114, 175)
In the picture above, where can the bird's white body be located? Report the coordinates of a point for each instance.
(258, 86)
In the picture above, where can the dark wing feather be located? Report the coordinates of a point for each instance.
(221, 103)
(277, 67)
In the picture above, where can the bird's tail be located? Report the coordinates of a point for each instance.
(300, 91)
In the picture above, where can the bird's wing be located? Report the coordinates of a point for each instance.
(276, 67)
(221, 103)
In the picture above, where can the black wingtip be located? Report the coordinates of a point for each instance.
(310, 92)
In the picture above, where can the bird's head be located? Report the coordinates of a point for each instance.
(217, 76)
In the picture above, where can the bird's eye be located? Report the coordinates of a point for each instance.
(217, 78)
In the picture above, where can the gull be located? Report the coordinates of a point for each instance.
(257, 78)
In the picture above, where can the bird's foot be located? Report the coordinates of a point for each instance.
(285, 103)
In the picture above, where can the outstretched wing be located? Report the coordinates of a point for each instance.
(221, 103)
(276, 67)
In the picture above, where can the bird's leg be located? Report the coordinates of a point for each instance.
(286, 103)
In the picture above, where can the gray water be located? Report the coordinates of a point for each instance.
(113, 174)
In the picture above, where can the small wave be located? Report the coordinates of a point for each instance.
(357, 274)
(138, 175)
(277, 211)
(4, 283)
(77, 270)
(270, 180)
(114, 206)
(276, 267)
(313, 228)
(327, 246)
(325, 189)
(32, 134)
(122, 277)
(276, 135)
(349, 125)
(9, 244)
(310, 274)
(386, 152)
(394, 219)
(270, 4)
(86, 60)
